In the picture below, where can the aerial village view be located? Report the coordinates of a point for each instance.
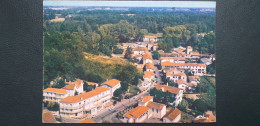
(129, 62)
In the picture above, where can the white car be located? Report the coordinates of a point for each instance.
(111, 108)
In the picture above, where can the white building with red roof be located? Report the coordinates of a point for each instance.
(173, 116)
(112, 84)
(54, 94)
(75, 86)
(176, 92)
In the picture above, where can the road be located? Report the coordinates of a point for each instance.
(108, 115)
(159, 79)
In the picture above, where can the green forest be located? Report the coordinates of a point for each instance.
(69, 46)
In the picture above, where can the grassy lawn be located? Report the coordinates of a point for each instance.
(133, 89)
(185, 118)
(212, 80)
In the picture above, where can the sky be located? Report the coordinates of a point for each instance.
(195, 4)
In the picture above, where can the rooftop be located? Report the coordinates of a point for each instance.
(88, 121)
(155, 105)
(137, 112)
(56, 90)
(145, 99)
(83, 96)
(47, 117)
(147, 56)
(148, 74)
(170, 89)
(77, 82)
(173, 113)
(111, 83)
(149, 66)
(168, 63)
(140, 49)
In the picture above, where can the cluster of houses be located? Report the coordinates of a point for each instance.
(76, 105)
(147, 108)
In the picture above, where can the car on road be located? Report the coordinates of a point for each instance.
(111, 108)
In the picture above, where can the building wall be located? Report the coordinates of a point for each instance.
(52, 96)
(167, 120)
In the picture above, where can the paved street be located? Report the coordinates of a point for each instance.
(156, 62)
(107, 114)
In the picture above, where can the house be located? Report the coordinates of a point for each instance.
(173, 59)
(176, 92)
(86, 103)
(206, 61)
(72, 87)
(147, 58)
(148, 38)
(112, 84)
(176, 76)
(206, 118)
(54, 94)
(149, 67)
(140, 50)
(173, 116)
(158, 110)
(137, 115)
(196, 68)
(88, 121)
(194, 80)
(148, 79)
(183, 85)
(47, 117)
(143, 101)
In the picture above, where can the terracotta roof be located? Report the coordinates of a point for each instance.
(147, 36)
(56, 90)
(47, 117)
(174, 58)
(170, 89)
(179, 82)
(137, 112)
(88, 121)
(173, 113)
(149, 66)
(189, 47)
(155, 105)
(148, 74)
(195, 53)
(92, 83)
(147, 56)
(83, 96)
(111, 83)
(77, 82)
(145, 99)
(168, 63)
(193, 78)
(178, 74)
(69, 87)
(140, 49)
(208, 117)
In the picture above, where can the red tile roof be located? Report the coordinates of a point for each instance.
(173, 113)
(77, 82)
(147, 56)
(56, 90)
(170, 89)
(145, 99)
(155, 105)
(140, 49)
(148, 74)
(83, 96)
(174, 58)
(69, 87)
(137, 112)
(178, 74)
(149, 66)
(88, 121)
(111, 83)
(168, 63)
(47, 117)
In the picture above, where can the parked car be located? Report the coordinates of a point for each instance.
(111, 108)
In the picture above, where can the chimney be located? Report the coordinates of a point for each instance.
(167, 83)
(163, 89)
(81, 98)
